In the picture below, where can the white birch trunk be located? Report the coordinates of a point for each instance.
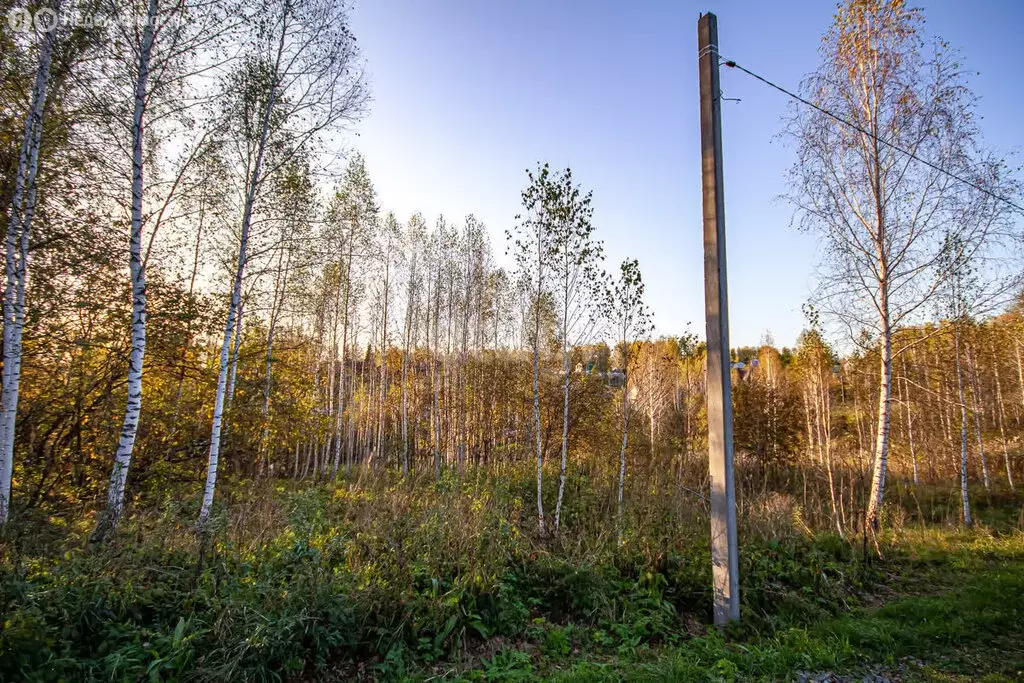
(129, 429)
(448, 402)
(622, 455)
(905, 395)
(405, 385)
(565, 433)
(234, 353)
(347, 282)
(1020, 377)
(1000, 415)
(435, 375)
(463, 356)
(427, 302)
(824, 400)
(379, 442)
(19, 228)
(963, 428)
(881, 445)
(812, 449)
(405, 408)
(236, 296)
(536, 395)
(976, 391)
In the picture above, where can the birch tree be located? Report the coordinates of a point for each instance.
(971, 283)
(576, 279)
(629, 316)
(16, 251)
(815, 362)
(976, 400)
(1000, 411)
(883, 215)
(442, 239)
(414, 241)
(122, 458)
(154, 59)
(530, 245)
(957, 290)
(471, 283)
(300, 80)
(296, 198)
(385, 246)
(354, 215)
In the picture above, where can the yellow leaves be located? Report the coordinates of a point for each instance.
(341, 493)
(799, 523)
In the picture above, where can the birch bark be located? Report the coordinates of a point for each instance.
(19, 228)
(236, 295)
(129, 429)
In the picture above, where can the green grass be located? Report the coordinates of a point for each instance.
(965, 622)
(388, 582)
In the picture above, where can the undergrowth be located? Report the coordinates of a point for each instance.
(385, 581)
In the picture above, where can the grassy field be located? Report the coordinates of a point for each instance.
(950, 608)
(376, 580)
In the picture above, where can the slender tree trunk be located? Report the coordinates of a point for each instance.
(347, 283)
(379, 442)
(234, 353)
(943, 400)
(129, 428)
(976, 395)
(811, 445)
(1000, 415)
(280, 286)
(362, 419)
(435, 379)
(825, 438)
(565, 433)
(860, 425)
(536, 397)
(464, 355)
(963, 426)
(904, 398)
(651, 406)
(236, 296)
(405, 372)
(447, 368)
(1020, 376)
(950, 404)
(622, 457)
(882, 429)
(315, 457)
(929, 395)
(19, 227)
(428, 344)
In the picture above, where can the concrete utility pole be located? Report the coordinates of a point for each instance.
(724, 553)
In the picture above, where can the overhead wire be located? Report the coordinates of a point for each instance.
(733, 65)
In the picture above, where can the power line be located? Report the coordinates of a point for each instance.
(733, 65)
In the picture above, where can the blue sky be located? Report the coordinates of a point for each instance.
(469, 93)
